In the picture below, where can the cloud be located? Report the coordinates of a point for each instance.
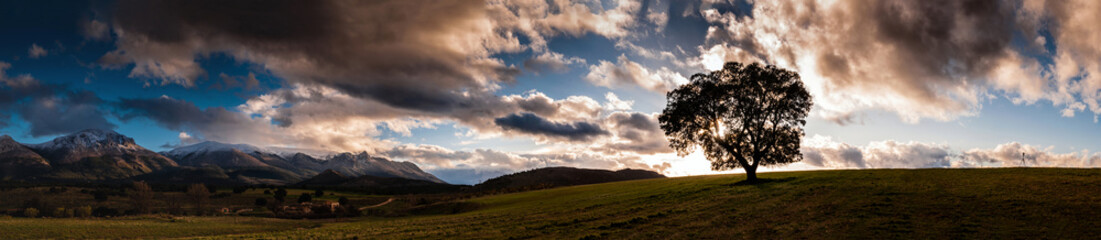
(1015, 154)
(468, 167)
(257, 123)
(468, 175)
(247, 82)
(36, 51)
(64, 114)
(626, 72)
(635, 133)
(49, 109)
(532, 124)
(822, 151)
(538, 20)
(614, 103)
(214, 123)
(918, 59)
(438, 55)
(551, 61)
(185, 139)
(426, 43)
(95, 30)
(1076, 71)
(440, 61)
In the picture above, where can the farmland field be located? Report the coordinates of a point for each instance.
(930, 203)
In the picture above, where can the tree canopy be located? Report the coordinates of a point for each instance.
(741, 116)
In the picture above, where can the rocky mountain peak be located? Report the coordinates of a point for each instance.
(91, 139)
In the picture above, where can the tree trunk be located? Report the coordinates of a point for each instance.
(751, 174)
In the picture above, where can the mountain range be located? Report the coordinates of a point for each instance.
(103, 155)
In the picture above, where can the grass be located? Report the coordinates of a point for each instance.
(142, 227)
(922, 204)
(72, 198)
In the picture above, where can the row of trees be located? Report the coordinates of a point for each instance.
(198, 195)
(142, 198)
(81, 212)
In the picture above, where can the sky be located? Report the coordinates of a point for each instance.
(470, 90)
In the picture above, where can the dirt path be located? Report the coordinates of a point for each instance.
(378, 205)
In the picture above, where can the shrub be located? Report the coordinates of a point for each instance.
(305, 198)
(85, 211)
(261, 202)
(220, 195)
(318, 193)
(30, 212)
(281, 194)
(105, 212)
(59, 213)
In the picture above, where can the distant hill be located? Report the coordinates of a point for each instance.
(376, 184)
(560, 176)
(18, 161)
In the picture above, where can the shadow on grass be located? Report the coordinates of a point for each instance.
(760, 182)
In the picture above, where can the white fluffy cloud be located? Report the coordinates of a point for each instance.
(825, 152)
(459, 166)
(822, 151)
(1015, 154)
(629, 73)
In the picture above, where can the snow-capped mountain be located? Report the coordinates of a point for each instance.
(90, 140)
(96, 154)
(364, 164)
(99, 154)
(302, 165)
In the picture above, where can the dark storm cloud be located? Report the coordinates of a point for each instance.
(71, 112)
(410, 54)
(179, 115)
(172, 113)
(49, 109)
(533, 124)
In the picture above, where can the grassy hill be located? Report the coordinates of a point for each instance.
(560, 176)
(931, 203)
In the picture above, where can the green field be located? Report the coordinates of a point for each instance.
(922, 204)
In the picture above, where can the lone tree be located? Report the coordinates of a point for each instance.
(742, 116)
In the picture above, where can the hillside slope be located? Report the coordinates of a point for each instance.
(863, 204)
(560, 176)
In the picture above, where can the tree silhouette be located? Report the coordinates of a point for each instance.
(740, 116)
